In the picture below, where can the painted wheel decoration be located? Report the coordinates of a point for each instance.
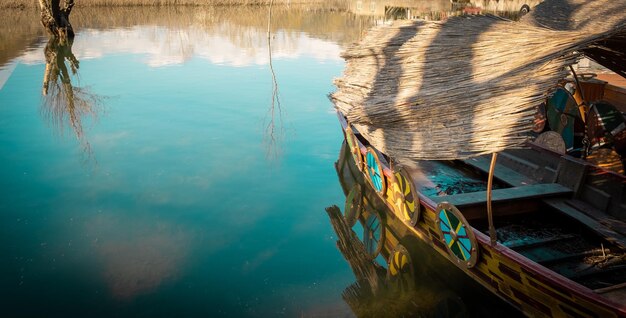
(401, 269)
(354, 203)
(456, 234)
(564, 118)
(405, 199)
(375, 170)
(374, 235)
(354, 147)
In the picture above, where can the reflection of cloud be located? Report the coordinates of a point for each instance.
(136, 267)
(5, 73)
(138, 259)
(164, 46)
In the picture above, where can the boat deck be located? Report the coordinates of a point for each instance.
(570, 231)
(538, 213)
(566, 248)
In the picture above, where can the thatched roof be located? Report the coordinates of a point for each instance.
(587, 15)
(459, 88)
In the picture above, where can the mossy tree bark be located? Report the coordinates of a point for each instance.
(55, 17)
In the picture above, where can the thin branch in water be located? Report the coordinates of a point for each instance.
(274, 130)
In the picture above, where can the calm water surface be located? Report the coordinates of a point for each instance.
(162, 193)
(174, 167)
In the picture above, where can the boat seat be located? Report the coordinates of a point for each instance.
(542, 190)
(567, 207)
(502, 173)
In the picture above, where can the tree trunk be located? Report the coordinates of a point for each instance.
(55, 18)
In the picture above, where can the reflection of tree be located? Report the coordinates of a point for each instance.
(274, 128)
(63, 103)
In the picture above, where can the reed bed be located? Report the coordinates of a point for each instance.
(22, 29)
(22, 4)
(456, 89)
(17, 32)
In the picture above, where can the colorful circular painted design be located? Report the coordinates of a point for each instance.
(374, 236)
(564, 117)
(400, 269)
(354, 203)
(354, 147)
(404, 198)
(456, 234)
(375, 170)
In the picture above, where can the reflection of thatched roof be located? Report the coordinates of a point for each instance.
(460, 88)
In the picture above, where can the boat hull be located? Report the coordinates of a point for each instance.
(532, 288)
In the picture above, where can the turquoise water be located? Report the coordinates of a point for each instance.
(168, 199)
(175, 168)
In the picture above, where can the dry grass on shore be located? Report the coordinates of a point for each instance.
(23, 4)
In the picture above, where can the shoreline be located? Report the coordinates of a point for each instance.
(33, 4)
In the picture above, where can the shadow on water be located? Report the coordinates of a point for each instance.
(416, 281)
(64, 103)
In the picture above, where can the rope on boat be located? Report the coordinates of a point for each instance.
(607, 259)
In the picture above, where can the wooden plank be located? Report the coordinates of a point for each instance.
(479, 211)
(525, 244)
(571, 173)
(519, 160)
(563, 257)
(612, 223)
(501, 173)
(502, 195)
(592, 271)
(610, 288)
(610, 235)
(615, 82)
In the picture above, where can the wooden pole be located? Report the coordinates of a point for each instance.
(492, 230)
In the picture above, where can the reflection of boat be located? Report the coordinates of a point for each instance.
(542, 229)
(415, 281)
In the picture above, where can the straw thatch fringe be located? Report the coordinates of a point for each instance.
(455, 89)
(570, 15)
(587, 16)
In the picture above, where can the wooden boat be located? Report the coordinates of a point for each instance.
(560, 239)
(417, 281)
(560, 247)
(543, 227)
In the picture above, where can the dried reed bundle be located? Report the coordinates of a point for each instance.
(460, 88)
